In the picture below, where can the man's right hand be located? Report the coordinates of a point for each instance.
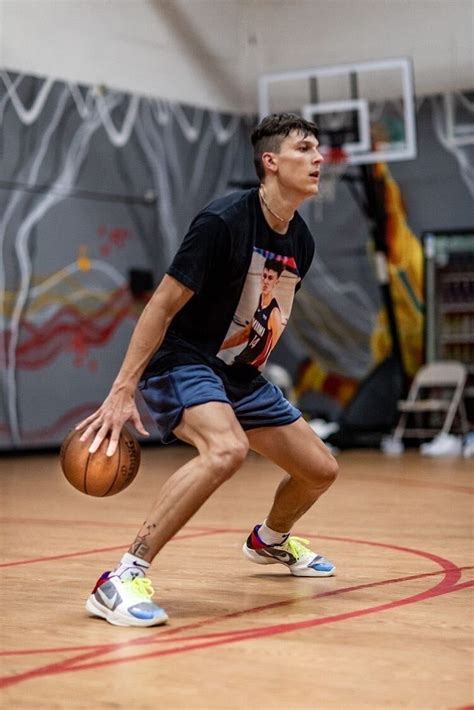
(118, 408)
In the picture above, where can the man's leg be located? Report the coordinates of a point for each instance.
(124, 596)
(311, 470)
(222, 447)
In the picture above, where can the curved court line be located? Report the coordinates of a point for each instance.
(75, 664)
(448, 584)
(162, 637)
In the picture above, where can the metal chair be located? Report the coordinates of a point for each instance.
(447, 379)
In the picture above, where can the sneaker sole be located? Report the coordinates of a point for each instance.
(119, 619)
(305, 572)
(258, 559)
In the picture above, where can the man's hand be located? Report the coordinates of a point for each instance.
(119, 407)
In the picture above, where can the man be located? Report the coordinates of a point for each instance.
(175, 356)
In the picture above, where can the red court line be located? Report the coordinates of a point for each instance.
(230, 637)
(245, 635)
(160, 636)
(452, 575)
(98, 550)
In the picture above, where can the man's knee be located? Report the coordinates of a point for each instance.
(226, 456)
(325, 471)
(331, 469)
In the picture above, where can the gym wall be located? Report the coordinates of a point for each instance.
(97, 185)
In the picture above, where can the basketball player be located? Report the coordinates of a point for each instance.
(266, 327)
(193, 394)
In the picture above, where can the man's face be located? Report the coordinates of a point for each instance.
(269, 280)
(298, 164)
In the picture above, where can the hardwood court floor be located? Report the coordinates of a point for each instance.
(393, 629)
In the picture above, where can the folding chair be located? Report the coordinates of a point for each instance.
(447, 378)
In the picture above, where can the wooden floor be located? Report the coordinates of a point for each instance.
(393, 629)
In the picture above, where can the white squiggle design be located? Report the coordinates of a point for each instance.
(73, 161)
(228, 163)
(191, 131)
(175, 165)
(85, 106)
(6, 96)
(118, 138)
(164, 111)
(28, 116)
(200, 160)
(464, 100)
(17, 196)
(153, 145)
(95, 111)
(223, 133)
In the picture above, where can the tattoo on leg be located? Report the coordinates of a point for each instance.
(139, 546)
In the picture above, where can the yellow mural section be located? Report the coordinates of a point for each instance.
(405, 268)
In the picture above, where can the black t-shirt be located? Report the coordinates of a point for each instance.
(237, 267)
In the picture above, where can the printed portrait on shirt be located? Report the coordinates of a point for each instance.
(263, 310)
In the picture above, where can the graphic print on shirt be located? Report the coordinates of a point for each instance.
(263, 310)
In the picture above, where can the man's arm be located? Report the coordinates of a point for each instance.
(240, 337)
(276, 326)
(119, 406)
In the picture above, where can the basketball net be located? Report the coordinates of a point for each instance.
(332, 170)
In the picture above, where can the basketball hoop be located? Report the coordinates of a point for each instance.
(333, 168)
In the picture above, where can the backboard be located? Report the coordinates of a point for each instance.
(366, 108)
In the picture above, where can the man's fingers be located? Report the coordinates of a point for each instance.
(86, 422)
(113, 441)
(90, 431)
(99, 438)
(138, 424)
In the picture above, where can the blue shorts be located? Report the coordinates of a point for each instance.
(260, 404)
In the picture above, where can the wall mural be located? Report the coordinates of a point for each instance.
(97, 188)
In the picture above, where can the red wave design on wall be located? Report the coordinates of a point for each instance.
(72, 330)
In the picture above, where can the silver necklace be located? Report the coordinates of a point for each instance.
(260, 192)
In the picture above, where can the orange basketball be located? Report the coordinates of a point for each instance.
(97, 474)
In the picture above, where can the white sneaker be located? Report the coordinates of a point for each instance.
(392, 446)
(293, 553)
(442, 445)
(125, 602)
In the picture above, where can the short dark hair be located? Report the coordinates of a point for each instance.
(272, 130)
(274, 265)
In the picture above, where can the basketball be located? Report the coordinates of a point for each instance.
(98, 474)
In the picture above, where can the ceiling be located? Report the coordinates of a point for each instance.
(211, 52)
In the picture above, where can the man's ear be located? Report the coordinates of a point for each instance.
(269, 162)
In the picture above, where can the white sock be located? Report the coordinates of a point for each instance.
(130, 567)
(271, 537)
